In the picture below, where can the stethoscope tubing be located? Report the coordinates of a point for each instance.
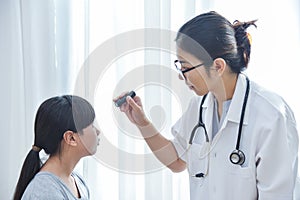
(201, 124)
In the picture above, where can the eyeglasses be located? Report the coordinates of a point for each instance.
(179, 67)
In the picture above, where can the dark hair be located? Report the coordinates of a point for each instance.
(217, 38)
(54, 117)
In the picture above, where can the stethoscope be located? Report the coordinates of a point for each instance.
(237, 157)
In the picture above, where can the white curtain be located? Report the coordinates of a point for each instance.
(43, 45)
(39, 59)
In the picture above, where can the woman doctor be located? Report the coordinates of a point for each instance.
(237, 139)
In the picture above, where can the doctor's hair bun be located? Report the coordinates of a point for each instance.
(243, 39)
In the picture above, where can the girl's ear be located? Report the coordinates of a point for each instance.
(220, 65)
(70, 138)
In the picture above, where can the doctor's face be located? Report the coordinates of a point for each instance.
(196, 78)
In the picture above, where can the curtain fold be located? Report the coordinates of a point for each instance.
(36, 63)
(12, 103)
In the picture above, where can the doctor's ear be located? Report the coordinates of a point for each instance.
(219, 65)
(70, 138)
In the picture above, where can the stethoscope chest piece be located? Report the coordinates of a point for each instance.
(237, 157)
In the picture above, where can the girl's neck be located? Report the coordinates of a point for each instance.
(63, 168)
(60, 166)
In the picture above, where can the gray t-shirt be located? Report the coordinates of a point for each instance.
(47, 186)
(217, 123)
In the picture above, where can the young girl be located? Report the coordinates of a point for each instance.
(64, 130)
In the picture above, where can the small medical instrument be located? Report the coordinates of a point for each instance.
(122, 100)
(237, 156)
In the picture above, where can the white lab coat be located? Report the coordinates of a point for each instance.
(269, 141)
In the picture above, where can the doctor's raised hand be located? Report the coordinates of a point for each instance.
(237, 139)
(161, 147)
(133, 109)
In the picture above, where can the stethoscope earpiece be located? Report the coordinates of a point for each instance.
(237, 157)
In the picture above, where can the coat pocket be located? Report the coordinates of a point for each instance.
(198, 162)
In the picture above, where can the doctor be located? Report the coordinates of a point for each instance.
(236, 139)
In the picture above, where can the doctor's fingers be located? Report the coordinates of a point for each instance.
(120, 96)
(137, 100)
(135, 109)
(130, 116)
(135, 113)
(135, 103)
(125, 107)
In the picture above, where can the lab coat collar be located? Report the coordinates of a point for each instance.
(235, 109)
(234, 112)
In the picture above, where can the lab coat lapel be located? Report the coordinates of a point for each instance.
(235, 109)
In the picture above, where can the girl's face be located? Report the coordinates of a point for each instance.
(196, 79)
(89, 138)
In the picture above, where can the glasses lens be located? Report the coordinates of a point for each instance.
(179, 68)
(177, 64)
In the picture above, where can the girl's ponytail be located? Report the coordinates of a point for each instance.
(30, 168)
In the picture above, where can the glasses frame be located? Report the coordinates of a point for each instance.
(182, 72)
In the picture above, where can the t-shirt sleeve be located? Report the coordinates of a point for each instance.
(40, 189)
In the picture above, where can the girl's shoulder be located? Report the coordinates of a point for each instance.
(44, 185)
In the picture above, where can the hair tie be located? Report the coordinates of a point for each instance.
(249, 38)
(35, 148)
